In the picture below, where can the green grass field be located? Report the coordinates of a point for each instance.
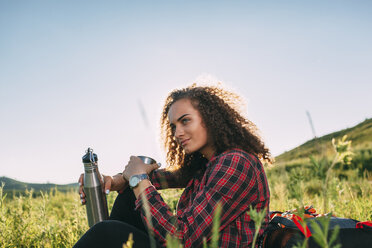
(57, 219)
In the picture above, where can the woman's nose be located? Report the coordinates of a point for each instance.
(178, 132)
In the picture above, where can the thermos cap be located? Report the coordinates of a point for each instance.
(89, 156)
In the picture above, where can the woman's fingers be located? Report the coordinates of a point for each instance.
(137, 166)
(133, 158)
(152, 167)
(81, 183)
(155, 166)
(81, 180)
(82, 197)
(81, 189)
(108, 184)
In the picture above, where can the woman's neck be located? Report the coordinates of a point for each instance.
(207, 152)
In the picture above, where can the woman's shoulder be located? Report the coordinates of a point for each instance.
(235, 154)
(238, 153)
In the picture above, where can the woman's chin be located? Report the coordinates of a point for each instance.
(187, 150)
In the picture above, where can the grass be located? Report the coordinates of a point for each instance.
(57, 219)
(331, 185)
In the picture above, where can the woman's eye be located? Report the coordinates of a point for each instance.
(184, 121)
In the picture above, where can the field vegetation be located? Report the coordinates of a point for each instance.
(333, 176)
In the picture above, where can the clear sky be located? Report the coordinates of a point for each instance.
(78, 74)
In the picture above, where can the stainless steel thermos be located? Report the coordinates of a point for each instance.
(95, 197)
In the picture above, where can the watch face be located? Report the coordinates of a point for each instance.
(133, 181)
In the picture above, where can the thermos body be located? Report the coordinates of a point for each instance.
(96, 203)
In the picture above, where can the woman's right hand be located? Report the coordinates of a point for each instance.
(111, 183)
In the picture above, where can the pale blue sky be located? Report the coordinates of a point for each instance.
(74, 73)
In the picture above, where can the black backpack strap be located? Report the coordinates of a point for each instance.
(278, 220)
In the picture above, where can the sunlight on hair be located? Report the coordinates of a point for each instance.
(240, 102)
(206, 78)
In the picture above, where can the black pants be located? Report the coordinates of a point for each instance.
(115, 231)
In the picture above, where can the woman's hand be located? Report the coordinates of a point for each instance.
(111, 183)
(136, 166)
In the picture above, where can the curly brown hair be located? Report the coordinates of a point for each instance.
(227, 128)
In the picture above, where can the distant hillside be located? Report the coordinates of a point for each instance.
(360, 135)
(12, 186)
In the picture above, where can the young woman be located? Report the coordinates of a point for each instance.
(214, 153)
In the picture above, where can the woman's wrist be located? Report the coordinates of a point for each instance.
(144, 184)
(121, 176)
(120, 181)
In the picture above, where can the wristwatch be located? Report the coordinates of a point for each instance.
(135, 179)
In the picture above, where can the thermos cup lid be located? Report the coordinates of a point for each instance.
(89, 156)
(147, 160)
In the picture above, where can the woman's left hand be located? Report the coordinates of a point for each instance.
(136, 166)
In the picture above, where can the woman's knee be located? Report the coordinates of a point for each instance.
(109, 233)
(102, 226)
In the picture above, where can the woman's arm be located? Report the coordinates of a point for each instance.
(164, 179)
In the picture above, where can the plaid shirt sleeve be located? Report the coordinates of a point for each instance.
(165, 179)
(230, 180)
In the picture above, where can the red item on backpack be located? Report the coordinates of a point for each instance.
(363, 223)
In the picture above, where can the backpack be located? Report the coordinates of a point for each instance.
(291, 219)
(287, 228)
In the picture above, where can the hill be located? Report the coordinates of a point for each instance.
(360, 135)
(14, 187)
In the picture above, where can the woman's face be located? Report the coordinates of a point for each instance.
(189, 129)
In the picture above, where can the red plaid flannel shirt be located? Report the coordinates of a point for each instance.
(234, 178)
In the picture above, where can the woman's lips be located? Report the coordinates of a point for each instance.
(184, 142)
